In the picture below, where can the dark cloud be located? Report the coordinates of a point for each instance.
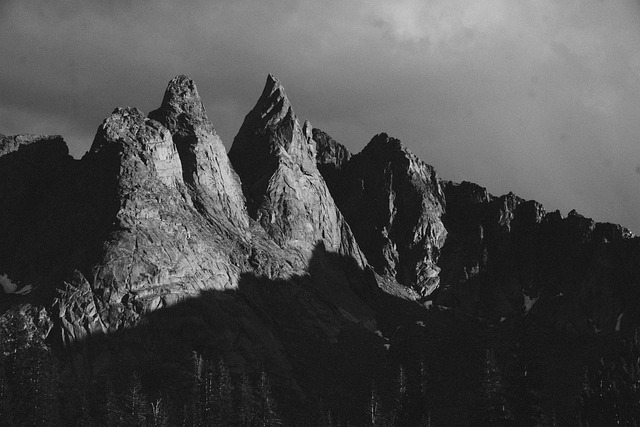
(541, 97)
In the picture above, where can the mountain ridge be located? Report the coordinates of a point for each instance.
(285, 249)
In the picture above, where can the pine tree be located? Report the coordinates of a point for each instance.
(424, 405)
(375, 407)
(159, 413)
(492, 408)
(224, 396)
(114, 413)
(400, 403)
(208, 397)
(247, 408)
(425, 421)
(85, 418)
(136, 405)
(325, 419)
(6, 411)
(30, 383)
(524, 399)
(195, 410)
(266, 406)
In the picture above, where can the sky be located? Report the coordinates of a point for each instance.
(538, 97)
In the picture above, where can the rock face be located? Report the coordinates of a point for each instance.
(214, 186)
(159, 249)
(30, 167)
(275, 157)
(394, 203)
(505, 256)
(331, 156)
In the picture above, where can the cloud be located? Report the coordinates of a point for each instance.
(539, 97)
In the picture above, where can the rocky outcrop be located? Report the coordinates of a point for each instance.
(213, 184)
(30, 168)
(159, 249)
(275, 157)
(394, 203)
(331, 156)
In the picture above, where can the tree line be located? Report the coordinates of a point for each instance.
(33, 391)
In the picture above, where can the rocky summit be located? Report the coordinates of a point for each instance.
(160, 281)
(275, 157)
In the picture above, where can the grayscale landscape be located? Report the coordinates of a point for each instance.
(433, 225)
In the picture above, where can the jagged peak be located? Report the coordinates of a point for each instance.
(330, 154)
(180, 97)
(386, 141)
(128, 125)
(386, 148)
(11, 143)
(182, 110)
(271, 134)
(273, 86)
(273, 106)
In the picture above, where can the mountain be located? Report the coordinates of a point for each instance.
(348, 288)
(394, 202)
(275, 158)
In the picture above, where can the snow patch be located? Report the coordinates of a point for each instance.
(387, 346)
(502, 319)
(528, 302)
(428, 304)
(379, 333)
(7, 285)
(595, 327)
(11, 287)
(420, 323)
(619, 322)
(25, 290)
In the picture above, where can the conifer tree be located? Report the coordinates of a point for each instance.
(136, 405)
(425, 404)
(30, 385)
(492, 408)
(375, 407)
(247, 406)
(325, 418)
(85, 419)
(5, 396)
(208, 397)
(194, 412)
(266, 406)
(114, 408)
(224, 395)
(159, 413)
(400, 399)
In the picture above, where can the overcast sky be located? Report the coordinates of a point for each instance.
(538, 97)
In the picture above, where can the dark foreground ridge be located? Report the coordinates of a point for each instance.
(158, 281)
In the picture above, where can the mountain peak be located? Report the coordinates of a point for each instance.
(273, 105)
(271, 133)
(180, 97)
(273, 85)
(275, 157)
(385, 142)
(273, 81)
(214, 186)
